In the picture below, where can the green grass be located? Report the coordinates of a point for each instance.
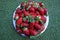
(7, 31)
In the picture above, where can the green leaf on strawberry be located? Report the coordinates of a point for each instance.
(24, 19)
(30, 18)
(37, 19)
(36, 4)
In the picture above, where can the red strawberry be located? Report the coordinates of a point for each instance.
(18, 10)
(41, 11)
(31, 27)
(25, 25)
(26, 31)
(31, 9)
(41, 4)
(26, 21)
(25, 13)
(37, 13)
(19, 21)
(36, 9)
(37, 26)
(43, 18)
(45, 11)
(42, 27)
(32, 13)
(32, 24)
(18, 30)
(36, 22)
(33, 32)
(16, 16)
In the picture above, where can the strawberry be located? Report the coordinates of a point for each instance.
(32, 13)
(41, 11)
(25, 13)
(31, 9)
(36, 22)
(36, 9)
(26, 31)
(37, 13)
(20, 14)
(18, 30)
(41, 4)
(45, 11)
(33, 32)
(25, 25)
(26, 21)
(42, 27)
(31, 27)
(43, 18)
(37, 26)
(19, 21)
(32, 24)
(18, 11)
(16, 17)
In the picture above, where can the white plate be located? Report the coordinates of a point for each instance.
(45, 25)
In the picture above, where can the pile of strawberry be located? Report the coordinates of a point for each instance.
(30, 18)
